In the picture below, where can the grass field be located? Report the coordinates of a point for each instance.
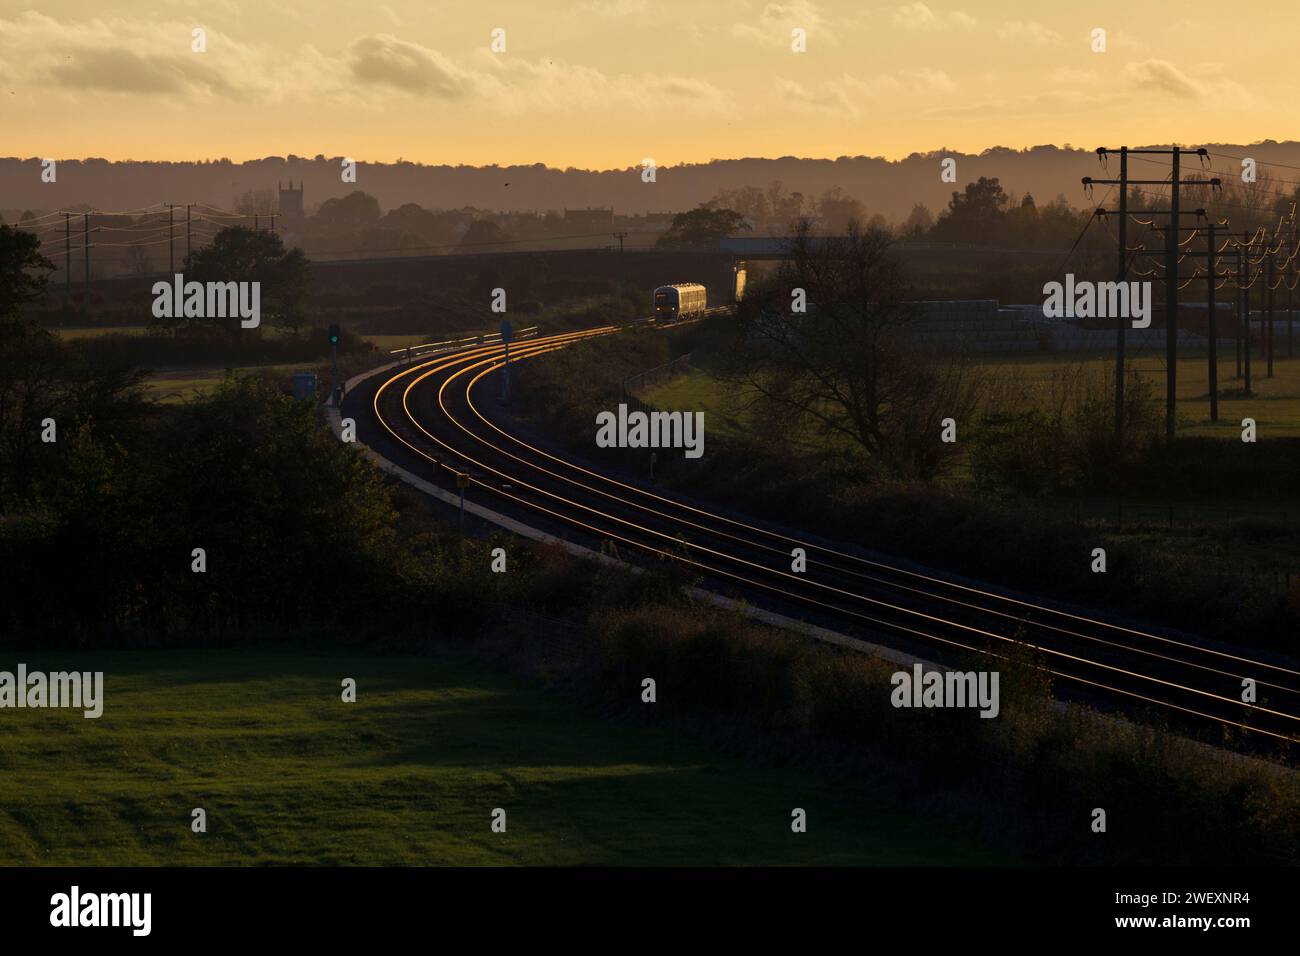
(409, 774)
(94, 332)
(178, 384)
(386, 343)
(1274, 404)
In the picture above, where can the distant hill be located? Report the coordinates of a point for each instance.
(887, 187)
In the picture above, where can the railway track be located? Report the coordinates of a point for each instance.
(432, 415)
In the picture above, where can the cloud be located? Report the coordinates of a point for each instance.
(118, 71)
(1030, 32)
(513, 85)
(385, 60)
(1069, 76)
(932, 79)
(777, 21)
(227, 8)
(144, 58)
(153, 61)
(614, 9)
(917, 16)
(831, 99)
(1161, 76)
(848, 95)
(1039, 104)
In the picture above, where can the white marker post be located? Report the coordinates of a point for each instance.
(462, 482)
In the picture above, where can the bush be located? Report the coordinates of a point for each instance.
(1065, 441)
(1031, 776)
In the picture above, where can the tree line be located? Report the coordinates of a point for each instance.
(122, 515)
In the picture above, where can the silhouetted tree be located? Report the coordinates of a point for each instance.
(848, 365)
(786, 208)
(355, 209)
(974, 215)
(42, 377)
(918, 223)
(836, 209)
(484, 235)
(22, 269)
(256, 202)
(702, 228)
(240, 254)
(749, 201)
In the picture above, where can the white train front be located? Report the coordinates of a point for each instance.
(679, 301)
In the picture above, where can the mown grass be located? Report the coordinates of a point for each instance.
(409, 774)
(698, 392)
(1273, 403)
(94, 332)
(177, 384)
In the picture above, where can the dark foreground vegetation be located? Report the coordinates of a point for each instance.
(237, 521)
(408, 775)
(306, 547)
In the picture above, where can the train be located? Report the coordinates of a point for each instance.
(679, 301)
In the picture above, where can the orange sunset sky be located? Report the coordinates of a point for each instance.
(604, 84)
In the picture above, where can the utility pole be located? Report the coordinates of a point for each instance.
(1171, 299)
(1212, 276)
(85, 242)
(1121, 278)
(1211, 258)
(171, 244)
(1241, 279)
(67, 254)
(1291, 252)
(273, 215)
(1171, 253)
(1245, 314)
(620, 236)
(188, 247)
(1268, 310)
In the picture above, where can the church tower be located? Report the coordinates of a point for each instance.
(291, 214)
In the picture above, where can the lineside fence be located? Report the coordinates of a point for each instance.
(652, 377)
(552, 638)
(412, 352)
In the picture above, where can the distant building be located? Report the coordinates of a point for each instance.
(292, 218)
(588, 220)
